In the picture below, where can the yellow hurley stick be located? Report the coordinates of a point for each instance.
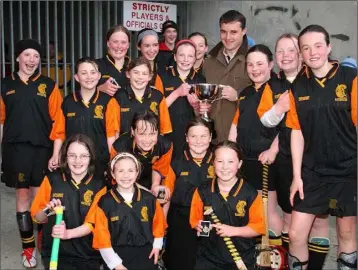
(229, 244)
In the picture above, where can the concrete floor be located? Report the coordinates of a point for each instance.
(11, 246)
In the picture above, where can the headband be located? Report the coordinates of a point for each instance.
(124, 155)
(145, 33)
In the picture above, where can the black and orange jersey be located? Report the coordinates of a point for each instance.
(325, 110)
(77, 200)
(252, 136)
(120, 223)
(158, 159)
(190, 173)
(108, 69)
(181, 112)
(277, 86)
(27, 109)
(152, 100)
(98, 119)
(242, 206)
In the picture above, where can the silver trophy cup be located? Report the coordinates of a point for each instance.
(208, 93)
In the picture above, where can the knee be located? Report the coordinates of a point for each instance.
(346, 234)
(295, 236)
(320, 224)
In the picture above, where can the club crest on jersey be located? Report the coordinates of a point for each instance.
(98, 112)
(41, 90)
(144, 214)
(211, 172)
(87, 198)
(333, 204)
(341, 93)
(21, 177)
(154, 107)
(240, 209)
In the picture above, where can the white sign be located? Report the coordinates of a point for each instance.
(138, 15)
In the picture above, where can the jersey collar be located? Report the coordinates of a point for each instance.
(234, 190)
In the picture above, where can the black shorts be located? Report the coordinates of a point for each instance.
(252, 171)
(24, 165)
(283, 182)
(73, 264)
(322, 197)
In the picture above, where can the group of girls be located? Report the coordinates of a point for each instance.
(165, 177)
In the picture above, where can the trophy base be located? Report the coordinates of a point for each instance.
(206, 119)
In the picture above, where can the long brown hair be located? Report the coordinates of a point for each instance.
(86, 142)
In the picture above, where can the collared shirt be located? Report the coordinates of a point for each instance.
(108, 69)
(229, 56)
(152, 100)
(27, 109)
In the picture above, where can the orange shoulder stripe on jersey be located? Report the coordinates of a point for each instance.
(196, 209)
(101, 235)
(42, 197)
(256, 216)
(112, 118)
(58, 130)
(169, 180)
(159, 222)
(354, 101)
(158, 84)
(235, 121)
(162, 164)
(54, 103)
(164, 118)
(2, 111)
(266, 101)
(292, 117)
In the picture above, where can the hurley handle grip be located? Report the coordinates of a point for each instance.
(56, 241)
(230, 245)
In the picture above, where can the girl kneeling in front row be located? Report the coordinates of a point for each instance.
(237, 206)
(130, 223)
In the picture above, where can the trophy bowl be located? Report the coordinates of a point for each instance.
(206, 92)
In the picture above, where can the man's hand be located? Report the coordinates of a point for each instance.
(108, 87)
(229, 93)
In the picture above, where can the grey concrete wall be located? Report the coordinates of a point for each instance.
(267, 20)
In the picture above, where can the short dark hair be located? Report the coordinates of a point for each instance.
(233, 16)
(314, 28)
(147, 116)
(141, 60)
(262, 49)
(198, 121)
(117, 28)
(86, 142)
(200, 35)
(86, 59)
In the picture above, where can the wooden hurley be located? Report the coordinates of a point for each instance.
(265, 255)
(229, 244)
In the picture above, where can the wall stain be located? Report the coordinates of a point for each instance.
(270, 8)
(341, 37)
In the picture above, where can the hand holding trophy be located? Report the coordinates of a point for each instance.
(207, 93)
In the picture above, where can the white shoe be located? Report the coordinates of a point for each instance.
(29, 257)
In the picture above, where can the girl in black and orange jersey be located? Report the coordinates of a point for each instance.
(151, 149)
(113, 66)
(138, 96)
(148, 46)
(238, 207)
(289, 60)
(87, 111)
(176, 85)
(191, 170)
(201, 49)
(259, 144)
(77, 189)
(29, 103)
(323, 119)
(130, 223)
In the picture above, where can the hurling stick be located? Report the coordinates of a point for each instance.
(56, 241)
(228, 242)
